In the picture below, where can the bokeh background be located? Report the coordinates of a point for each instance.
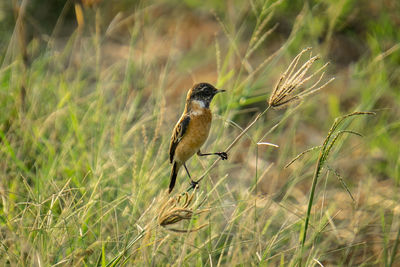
(90, 92)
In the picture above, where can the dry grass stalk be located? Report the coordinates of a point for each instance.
(282, 95)
(293, 80)
(178, 209)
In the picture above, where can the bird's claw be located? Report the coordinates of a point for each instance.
(194, 184)
(223, 155)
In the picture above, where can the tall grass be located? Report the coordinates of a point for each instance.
(84, 167)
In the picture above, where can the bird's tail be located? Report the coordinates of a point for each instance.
(174, 173)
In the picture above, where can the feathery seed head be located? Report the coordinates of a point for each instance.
(293, 80)
(178, 209)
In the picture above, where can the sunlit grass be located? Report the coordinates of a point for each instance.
(84, 169)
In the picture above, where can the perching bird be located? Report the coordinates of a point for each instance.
(192, 129)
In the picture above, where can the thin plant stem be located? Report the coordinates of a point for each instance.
(322, 157)
(396, 245)
(234, 142)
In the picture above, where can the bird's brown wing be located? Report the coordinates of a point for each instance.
(179, 132)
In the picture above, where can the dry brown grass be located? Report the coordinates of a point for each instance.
(291, 85)
(178, 209)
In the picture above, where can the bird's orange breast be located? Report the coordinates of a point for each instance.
(196, 134)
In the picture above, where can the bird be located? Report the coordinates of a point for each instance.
(192, 129)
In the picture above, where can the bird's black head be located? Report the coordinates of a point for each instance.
(203, 92)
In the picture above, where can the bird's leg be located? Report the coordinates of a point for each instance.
(193, 184)
(223, 155)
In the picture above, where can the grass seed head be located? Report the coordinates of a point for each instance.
(177, 209)
(291, 86)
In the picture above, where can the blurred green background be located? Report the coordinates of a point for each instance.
(90, 92)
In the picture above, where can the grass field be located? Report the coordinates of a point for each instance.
(89, 100)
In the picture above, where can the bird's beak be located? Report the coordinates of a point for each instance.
(220, 91)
